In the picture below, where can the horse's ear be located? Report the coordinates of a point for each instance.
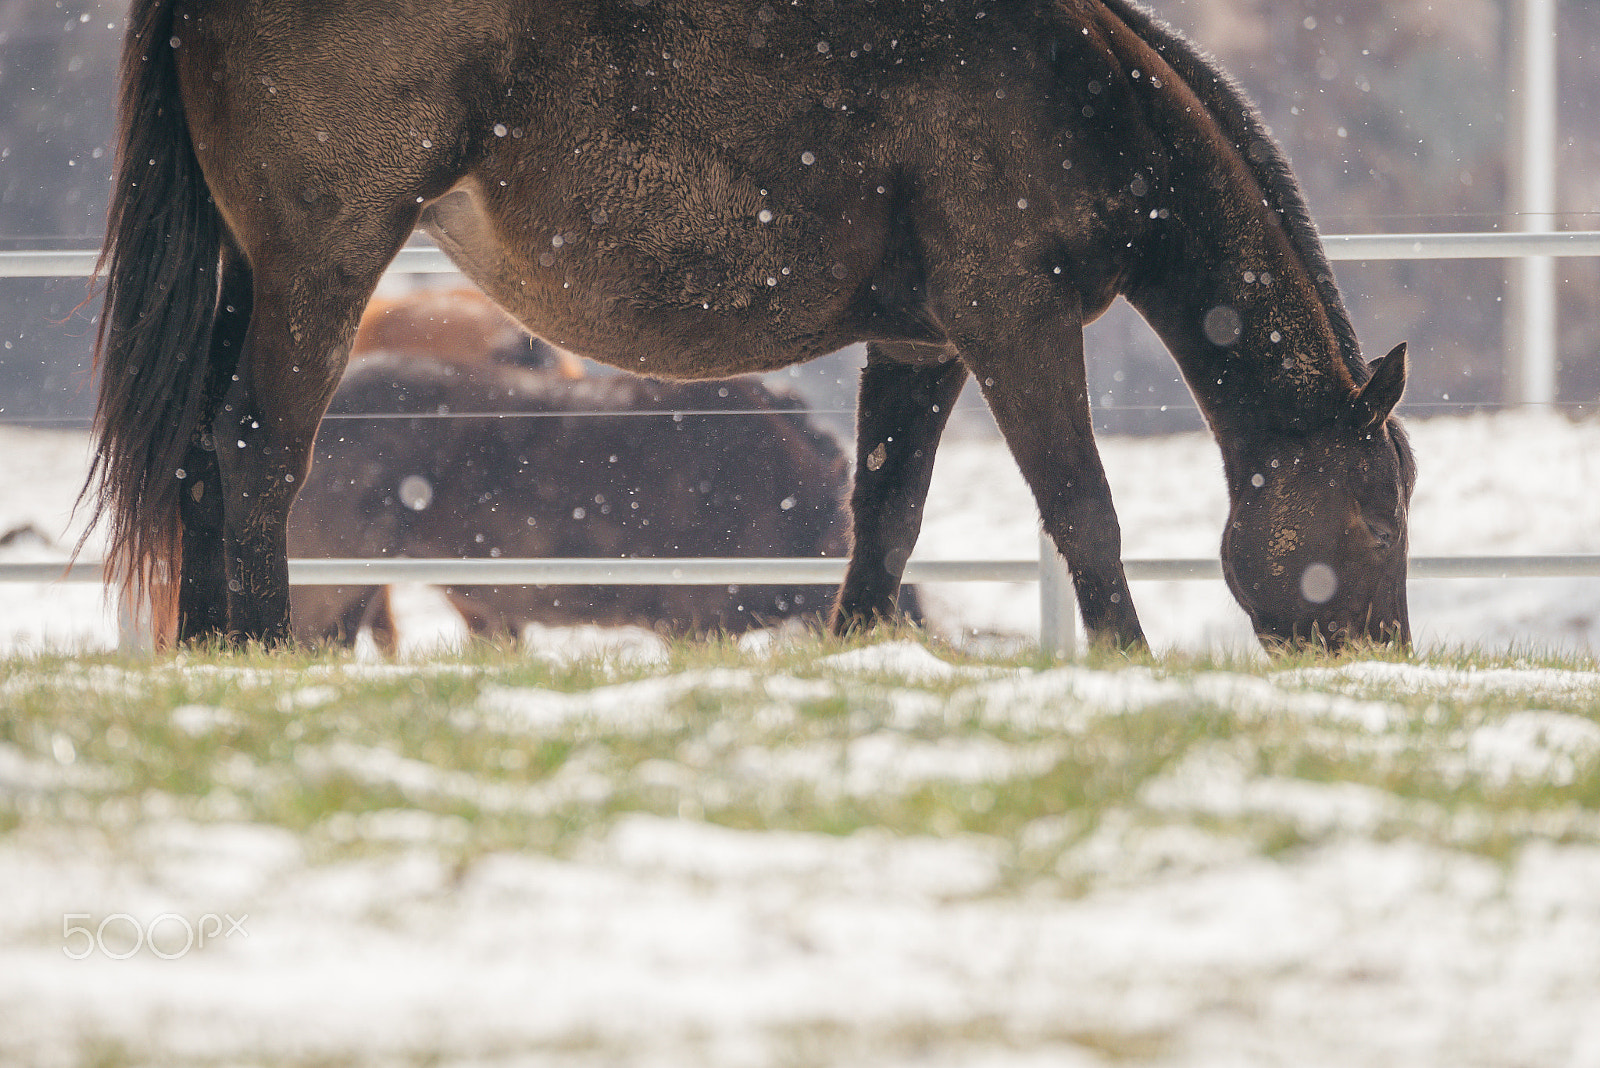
(1374, 401)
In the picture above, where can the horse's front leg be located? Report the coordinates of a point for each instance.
(1036, 385)
(901, 412)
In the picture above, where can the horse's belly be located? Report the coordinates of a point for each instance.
(720, 299)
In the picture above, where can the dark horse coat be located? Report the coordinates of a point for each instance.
(615, 466)
(699, 188)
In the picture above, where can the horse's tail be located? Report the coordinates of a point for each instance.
(164, 240)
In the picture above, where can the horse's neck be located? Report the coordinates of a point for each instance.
(1245, 321)
(1232, 276)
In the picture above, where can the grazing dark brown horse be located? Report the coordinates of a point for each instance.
(696, 188)
(605, 467)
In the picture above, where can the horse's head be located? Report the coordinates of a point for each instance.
(1315, 547)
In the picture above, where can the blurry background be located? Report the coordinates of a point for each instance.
(57, 82)
(1394, 114)
(1397, 115)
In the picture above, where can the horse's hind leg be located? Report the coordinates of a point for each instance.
(902, 410)
(305, 306)
(202, 590)
(1036, 386)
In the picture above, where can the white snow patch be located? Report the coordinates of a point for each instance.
(196, 720)
(906, 660)
(624, 646)
(887, 761)
(419, 782)
(867, 861)
(1547, 746)
(20, 773)
(1464, 683)
(1068, 698)
(630, 707)
(306, 697)
(1215, 780)
(670, 943)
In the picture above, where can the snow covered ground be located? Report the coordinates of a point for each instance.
(1210, 907)
(1368, 864)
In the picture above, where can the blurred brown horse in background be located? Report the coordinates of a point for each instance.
(614, 466)
(699, 188)
(461, 326)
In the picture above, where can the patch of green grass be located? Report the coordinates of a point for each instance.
(307, 740)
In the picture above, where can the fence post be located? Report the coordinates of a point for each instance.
(1058, 606)
(1531, 336)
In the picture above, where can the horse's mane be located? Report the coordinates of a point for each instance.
(1241, 122)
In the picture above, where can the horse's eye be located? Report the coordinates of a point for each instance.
(1381, 533)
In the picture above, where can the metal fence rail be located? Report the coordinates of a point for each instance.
(716, 571)
(79, 263)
